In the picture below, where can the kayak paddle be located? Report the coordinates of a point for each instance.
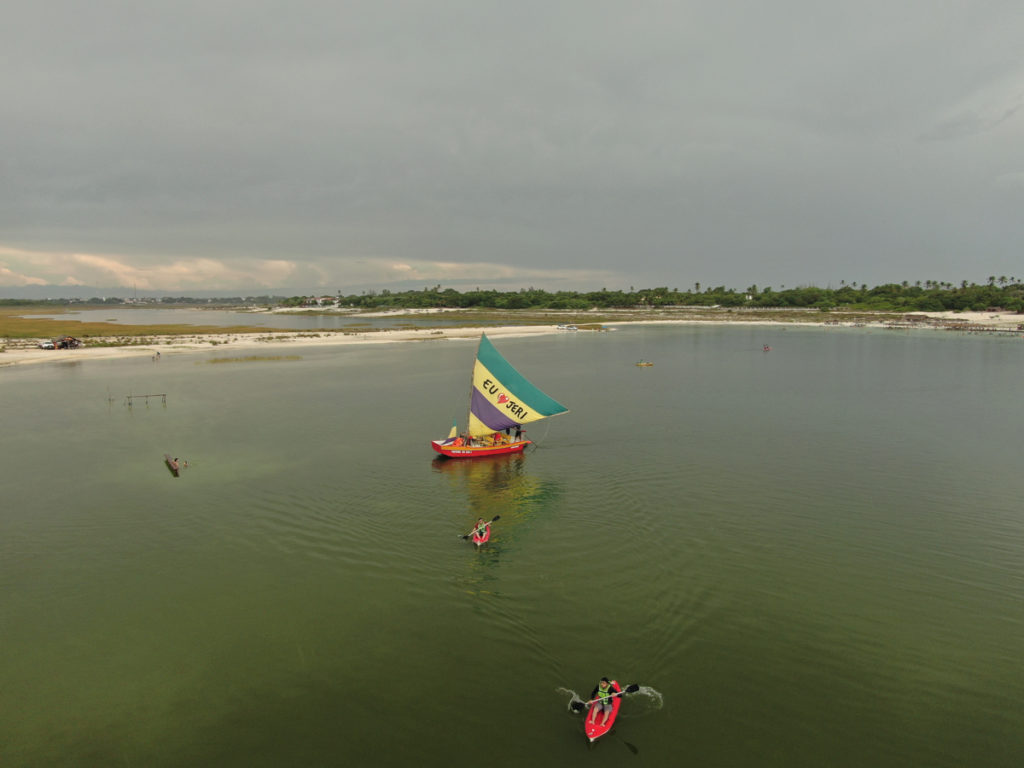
(579, 706)
(477, 530)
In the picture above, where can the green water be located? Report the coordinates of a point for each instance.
(812, 556)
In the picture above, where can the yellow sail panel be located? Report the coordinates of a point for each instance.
(495, 406)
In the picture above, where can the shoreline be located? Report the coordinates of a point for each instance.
(173, 345)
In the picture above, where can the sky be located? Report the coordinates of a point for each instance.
(309, 146)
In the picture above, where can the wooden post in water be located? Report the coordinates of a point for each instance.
(162, 395)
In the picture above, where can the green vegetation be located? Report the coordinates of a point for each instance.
(1005, 293)
(1002, 293)
(530, 306)
(14, 327)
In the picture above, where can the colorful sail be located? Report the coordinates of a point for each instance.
(502, 397)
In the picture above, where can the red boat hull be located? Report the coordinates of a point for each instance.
(476, 451)
(482, 537)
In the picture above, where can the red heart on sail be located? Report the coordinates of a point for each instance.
(502, 399)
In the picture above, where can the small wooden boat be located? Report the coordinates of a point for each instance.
(172, 464)
(466, 451)
(500, 400)
(644, 364)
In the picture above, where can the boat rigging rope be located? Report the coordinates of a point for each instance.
(547, 426)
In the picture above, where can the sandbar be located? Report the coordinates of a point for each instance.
(284, 342)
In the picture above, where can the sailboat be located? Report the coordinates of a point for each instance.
(501, 401)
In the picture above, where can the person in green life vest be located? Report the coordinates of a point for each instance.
(602, 696)
(481, 530)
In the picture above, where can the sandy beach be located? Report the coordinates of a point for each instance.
(26, 351)
(241, 344)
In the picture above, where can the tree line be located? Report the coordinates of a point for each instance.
(1002, 293)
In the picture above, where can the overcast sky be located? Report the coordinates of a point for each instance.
(305, 146)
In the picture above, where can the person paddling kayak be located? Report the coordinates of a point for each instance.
(481, 532)
(603, 701)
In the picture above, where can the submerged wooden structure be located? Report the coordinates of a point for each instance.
(172, 464)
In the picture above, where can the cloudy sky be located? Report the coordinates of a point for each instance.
(308, 145)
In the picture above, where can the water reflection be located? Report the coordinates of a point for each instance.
(481, 572)
(497, 485)
(497, 478)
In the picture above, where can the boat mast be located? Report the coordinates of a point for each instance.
(472, 375)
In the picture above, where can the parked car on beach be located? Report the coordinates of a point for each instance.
(61, 342)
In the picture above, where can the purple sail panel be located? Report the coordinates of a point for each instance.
(493, 418)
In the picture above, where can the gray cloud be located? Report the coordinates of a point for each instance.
(576, 144)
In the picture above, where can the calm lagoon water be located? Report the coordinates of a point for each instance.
(812, 556)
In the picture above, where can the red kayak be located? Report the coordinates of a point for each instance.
(595, 730)
(481, 537)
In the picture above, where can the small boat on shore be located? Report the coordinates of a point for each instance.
(501, 401)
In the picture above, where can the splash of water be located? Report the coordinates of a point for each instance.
(657, 700)
(652, 700)
(574, 697)
(643, 702)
